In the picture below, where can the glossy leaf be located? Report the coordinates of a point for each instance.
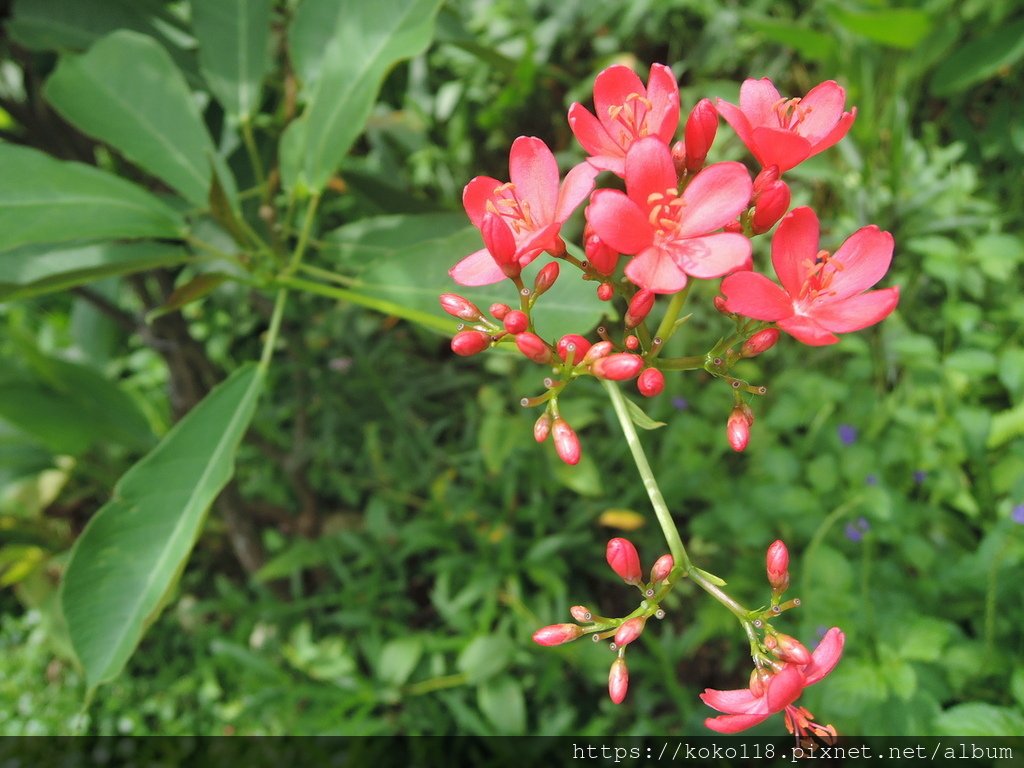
(145, 111)
(343, 49)
(234, 52)
(34, 269)
(133, 550)
(43, 200)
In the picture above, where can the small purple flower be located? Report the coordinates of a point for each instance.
(1017, 515)
(680, 403)
(853, 533)
(920, 476)
(871, 479)
(847, 434)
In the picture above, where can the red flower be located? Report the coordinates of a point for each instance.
(671, 233)
(626, 112)
(785, 132)
(743, 709)
(533, 206)
(821, 294)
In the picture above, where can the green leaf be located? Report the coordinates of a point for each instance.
(485, 656)
(43, 200)
(195, 289)
(398, 659)
(896, 27)
(977, 718)
(343, 49)
(639, 417)
(234, 50)
(145, 111)
(979, 59)
(130, 554)
(1005, 426)
(46, 25)
(34, 269)
(806, 42)
(503, 703)
(584, 478)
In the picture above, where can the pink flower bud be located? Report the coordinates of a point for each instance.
(679, 157)
(466, 343)
(542, 427)
(556, 634)
(719, 302)
(567, 444)
(618, 681)
(533, 347)
(759, 679)
(545, 278)
(777, 566)
(734, 226)
(770, 206)
(662, 568)
(791, 650)
(605, 292)
(580, 347)
(651, 382)
(639, 307)
(621, 366)
(701, 127)
(624, 560)
(629, 631)
(500, 243)
(499, 310)
(760, 342)
(765, 179)
(738, 429)
(460, 307)
(602, 258)
(516, 322)
(581, 613)
(597, 351)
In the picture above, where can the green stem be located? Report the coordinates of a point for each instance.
(254, 158)
(275, 328)
(326, 274)
(437, 684)
(667, 326)
(307, 227)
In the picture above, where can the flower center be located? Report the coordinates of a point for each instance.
(631, 116)
(818, 275)
(666, 210)
(506, 203)
(799, 723)
(789, 113)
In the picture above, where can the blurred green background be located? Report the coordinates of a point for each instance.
(408, 534)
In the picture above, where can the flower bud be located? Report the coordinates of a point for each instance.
(581, 613)
(556, 634)
(624, 560)
(651, 382)
(499, 310)
(533, 347)
(765, 179)
(516, 322)
(618, 681)
(759, 679)
(629, 631)
(760, 342)
(597, 351)
(466, 343)
(770, 206)
(567, 444)
(602, 258)
(542, 427)
(545, 278)
(791, 650)
(605, 292)
(701, 127)
(579, 344)
(620, 366)
(632, 343)
(460, 307)
(777, 566)
(679, 157)
(662, 568)
(719, 302)
(639, 307)
(737, 429)
(500, 243)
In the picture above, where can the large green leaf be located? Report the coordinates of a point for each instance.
(145, 111)
(407, 259)
(234, 52)
(33, 269)
(896, 27)
(343, 49)
(75, 24)
(132, 551)
(979, 59)
(43, 200)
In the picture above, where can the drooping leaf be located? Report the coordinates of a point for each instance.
(132, 551)
(979, 59)
(639, 416)
(234, 52)
(145, 111)
(197, 288)
(34, 269)
(343, 49)
(43, 200)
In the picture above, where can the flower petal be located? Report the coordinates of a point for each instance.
(758, 99)
(739, 122)
(534, 172)
(649, 170)
(714, 198)
(856, 312)
(654, 269)
(591, 134)
(821, 109)
(479, 268)
(475, 196)
(806, 330)
(784, 688)
(611, 89)
(712, 255)
(777, 146)
(794, 247)
(578, 183)
(663, 93)
(619, 222)
(753, 295)
(837, 133)
(534, 243)
(861, 262)
(735, 702)
(825, 656)
(733, 723)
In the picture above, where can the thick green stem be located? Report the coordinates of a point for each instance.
(667, 326)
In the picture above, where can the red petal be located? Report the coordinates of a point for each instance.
(533, 170)
(663, 93)
(753, 295)
(619, 222)
(784, 688)
(856, 312)
(733, 723)
(655, 270)
(806, 330)
(777, 146)
(734, 702)
(712, 255)
(479, 268)
(714, 198)
(591, 134)
(864, 260)
(475, 196)
(837, 133)
(649, 170)
(611, 88)
(578, 183)
(739, 122)
(794, 247)
(825, 656)
(821, 107)
(757, 100)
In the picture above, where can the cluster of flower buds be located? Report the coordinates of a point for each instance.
(624, 560)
